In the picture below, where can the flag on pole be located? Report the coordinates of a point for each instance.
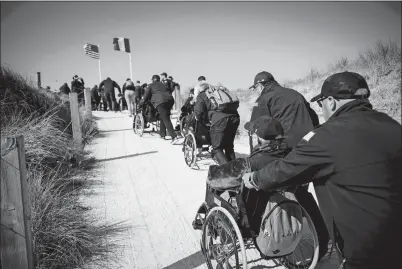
(121, 44)
(92, 51)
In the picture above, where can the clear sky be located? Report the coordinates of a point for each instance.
(228, 42)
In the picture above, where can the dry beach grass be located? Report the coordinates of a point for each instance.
(65, 233)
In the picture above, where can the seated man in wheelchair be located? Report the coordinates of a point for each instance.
(270, 145)
(186, 110)
(148, 111)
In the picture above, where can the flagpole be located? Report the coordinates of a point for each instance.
(131, 68)
(100, 73)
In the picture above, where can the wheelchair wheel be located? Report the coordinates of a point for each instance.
(190, 149)
(305, 256)
(221, 241)
(182, 126)
(138, 124)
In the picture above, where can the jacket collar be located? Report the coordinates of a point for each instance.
(269, 86)
(353, 106)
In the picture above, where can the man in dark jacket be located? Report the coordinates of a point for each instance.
(95, 97)
(77, 85)
(354, 160)
(223, 125)
(64, 89)
(110, 96)
(163, 101)
(168, 82)
(285, 105)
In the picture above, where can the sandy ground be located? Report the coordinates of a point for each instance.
(146, 183)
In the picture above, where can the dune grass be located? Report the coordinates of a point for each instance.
(65, 233)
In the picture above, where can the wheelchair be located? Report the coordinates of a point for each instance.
(145, 115)
(197, 142)
(227, 241)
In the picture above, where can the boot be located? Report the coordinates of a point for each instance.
(220, 157)
(230, 155)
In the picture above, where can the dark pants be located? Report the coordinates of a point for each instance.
(222, 134)
(166, 123)
(111, 100)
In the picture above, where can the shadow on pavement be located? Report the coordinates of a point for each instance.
(126, 156)
(190, 262)
(108, 131)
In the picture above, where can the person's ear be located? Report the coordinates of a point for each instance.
(332, 103)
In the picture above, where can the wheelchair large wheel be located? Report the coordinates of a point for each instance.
(221, 241)
(306, 254)
(182, 126)
(190, 149)
(138, 124)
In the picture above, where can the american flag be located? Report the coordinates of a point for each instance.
(91, 50)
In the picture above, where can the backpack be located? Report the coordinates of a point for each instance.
(222, 100)
(281, 225)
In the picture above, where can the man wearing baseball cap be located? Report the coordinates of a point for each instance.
(354, 160)
(286, 105)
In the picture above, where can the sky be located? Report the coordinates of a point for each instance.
(227, 42)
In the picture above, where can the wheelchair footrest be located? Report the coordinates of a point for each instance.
(200, 217)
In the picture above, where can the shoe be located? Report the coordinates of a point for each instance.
(162, 137)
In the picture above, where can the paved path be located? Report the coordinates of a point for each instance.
(146, 183)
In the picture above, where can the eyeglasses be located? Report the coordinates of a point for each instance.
(319, 102)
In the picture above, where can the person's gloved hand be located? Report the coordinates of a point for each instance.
(248, 181)
(119, 95)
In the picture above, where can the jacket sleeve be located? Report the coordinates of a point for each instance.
(100, 86)
(117, 86)
(199, 109)
(308, 161)
(124, 88)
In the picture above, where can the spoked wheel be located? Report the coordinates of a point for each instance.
(138, 124)
(190, 149)
(182, 126)
(221, 242)
(305, 256)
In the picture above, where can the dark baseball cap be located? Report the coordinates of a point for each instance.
(265, 127)
(200, 78)
(263, 76)
(164, 74)
(344, 85)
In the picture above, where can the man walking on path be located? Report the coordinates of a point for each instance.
(77, 85)
(95, 98)
(129, 94)
(354, 160)
(223, 125)
(163, 101)
(201, 79)
(286, 105)
(165, 80)
(110, 96)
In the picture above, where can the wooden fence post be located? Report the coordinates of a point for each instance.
(88, 103)
(16, 235)
(76, 124)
